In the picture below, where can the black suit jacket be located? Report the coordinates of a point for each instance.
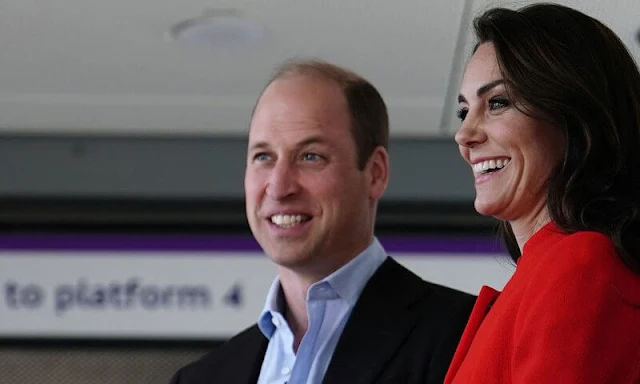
(402, 330)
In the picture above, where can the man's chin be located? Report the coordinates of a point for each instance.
(290, 260)
(299, 263)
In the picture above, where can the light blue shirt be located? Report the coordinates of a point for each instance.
(329, 304)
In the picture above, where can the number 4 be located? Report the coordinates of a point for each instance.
(234, 297)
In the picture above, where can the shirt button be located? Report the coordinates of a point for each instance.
(285, 371)
(275, 321)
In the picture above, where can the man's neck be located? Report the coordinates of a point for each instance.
(294, 290)
(295, 284)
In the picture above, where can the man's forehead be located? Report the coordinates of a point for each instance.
(304, 89)
(290, 137)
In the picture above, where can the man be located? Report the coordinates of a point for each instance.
(340, 310)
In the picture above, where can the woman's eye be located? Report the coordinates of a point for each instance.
(461, 113)
(498, 103)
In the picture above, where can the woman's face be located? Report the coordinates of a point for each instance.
(511, 154)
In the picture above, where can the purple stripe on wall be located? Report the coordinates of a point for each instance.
(441, 244)
(231, 243)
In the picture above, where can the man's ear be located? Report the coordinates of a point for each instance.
(378, 171)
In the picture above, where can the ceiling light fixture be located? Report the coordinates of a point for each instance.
(220, 29)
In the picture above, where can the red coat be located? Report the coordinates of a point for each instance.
(569, 314)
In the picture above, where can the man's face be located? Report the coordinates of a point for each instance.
(308, 205)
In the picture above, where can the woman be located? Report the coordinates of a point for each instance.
(550, 110)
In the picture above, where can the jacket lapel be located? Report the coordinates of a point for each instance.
(483, 304)
(255, 355)
(381, 320)
(242, 363)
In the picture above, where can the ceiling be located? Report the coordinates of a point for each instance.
(113, 67)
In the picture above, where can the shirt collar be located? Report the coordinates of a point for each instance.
(350, 279)
(273, 304)
(348, 282)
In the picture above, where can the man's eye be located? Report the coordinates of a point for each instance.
(261, 157)
(311, 157)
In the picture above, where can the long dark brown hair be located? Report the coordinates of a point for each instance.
(573, 70)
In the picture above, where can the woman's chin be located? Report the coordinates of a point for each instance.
(486, 208)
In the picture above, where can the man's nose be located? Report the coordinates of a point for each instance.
(282, 181)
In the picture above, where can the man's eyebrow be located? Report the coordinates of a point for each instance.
(312, 140)
(258, 145)
(307, 141)
(482, 90)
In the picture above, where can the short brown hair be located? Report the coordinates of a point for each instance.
(369, 117)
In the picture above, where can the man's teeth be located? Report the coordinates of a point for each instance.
(488, 165)
(288, 220)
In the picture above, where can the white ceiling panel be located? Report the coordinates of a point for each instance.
(105, 67)
(112, 66)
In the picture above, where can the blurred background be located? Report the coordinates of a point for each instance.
(124, 248)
